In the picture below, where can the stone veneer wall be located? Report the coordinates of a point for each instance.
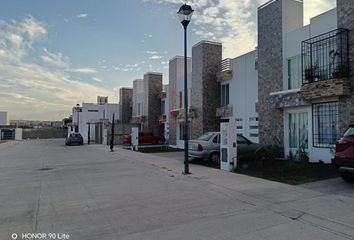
(172, 91)
(270, 71)
(345, 18)
(205, 89)
(125, 100)
(152, 102)
(136, 86)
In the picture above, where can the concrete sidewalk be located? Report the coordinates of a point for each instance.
(90, 193)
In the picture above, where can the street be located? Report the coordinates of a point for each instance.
(88, 193)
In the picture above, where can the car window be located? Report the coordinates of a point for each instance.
(206, 136)
(349, 132)
(75, 135)
(215, 139)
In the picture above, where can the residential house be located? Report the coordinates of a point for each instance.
(305, 77)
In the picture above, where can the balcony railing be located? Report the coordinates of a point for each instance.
(325, 57)
(224, 70)
(225, 111)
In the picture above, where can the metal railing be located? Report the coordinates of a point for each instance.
(325, 56)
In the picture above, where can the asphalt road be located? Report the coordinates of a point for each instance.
(88, 193)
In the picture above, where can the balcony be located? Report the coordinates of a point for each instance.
(162, 95)
(224, 70)
(138, 119)
(162, 118)
(325, 65)
(224, 112)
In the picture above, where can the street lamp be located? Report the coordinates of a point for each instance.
(88, 133)
(185, 14)
(112, 135)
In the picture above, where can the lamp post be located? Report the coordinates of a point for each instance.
(185, 14)
(88, 133)
(112, 134)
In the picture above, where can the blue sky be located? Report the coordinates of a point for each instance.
(54, 54)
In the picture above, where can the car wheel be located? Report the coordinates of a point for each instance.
(346, 176)
(215, 158)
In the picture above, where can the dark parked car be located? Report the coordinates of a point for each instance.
(344, 156)
(74, 139)
(207, 146)
(145, 138)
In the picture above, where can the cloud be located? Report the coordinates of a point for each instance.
(84, 70)
(233, 23)
(151, 52)
(30, 90)
(56, 59)
(155, 57)
(82, 15)
(97, 79)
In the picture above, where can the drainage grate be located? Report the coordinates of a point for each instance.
(45, 169)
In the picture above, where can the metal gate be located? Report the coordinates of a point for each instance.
(7, 134)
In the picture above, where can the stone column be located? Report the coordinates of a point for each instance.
(345, 19)
(125, 100)
(205, 93)
(152, 102)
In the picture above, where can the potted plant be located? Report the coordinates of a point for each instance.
(311, 73)
(340, 71)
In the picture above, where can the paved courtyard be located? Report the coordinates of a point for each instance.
(90, 194)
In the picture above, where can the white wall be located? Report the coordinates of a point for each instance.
(95, 113)
(3, 118)
(243, 92)
(292, 40)
(174, 100)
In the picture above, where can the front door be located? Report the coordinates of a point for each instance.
(298, 131)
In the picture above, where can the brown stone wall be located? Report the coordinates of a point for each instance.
(205, 89)
(172, 91)
(270, 72)
(152, 102)
(345, 18)
(125, 100)
(328, 88)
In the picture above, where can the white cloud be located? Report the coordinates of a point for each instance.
(97, 79)
(82, 15)
(234, 22)
(151, 52)
(33, 91)
(56, 59)
(84, 70)
(155, 57)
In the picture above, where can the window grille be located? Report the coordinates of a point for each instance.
(325, 124)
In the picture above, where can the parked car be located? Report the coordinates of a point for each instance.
(207, 147)
(74, 138)
(344, 156)
(145, 138)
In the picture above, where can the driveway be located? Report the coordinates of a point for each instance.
(89, 194)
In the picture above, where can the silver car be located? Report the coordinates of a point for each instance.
(207, 147)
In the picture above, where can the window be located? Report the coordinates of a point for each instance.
(239, 127)
(162, 107)
(253, 127)
(253, 119)
(325, 124)
(90, 110)
(139, 112)
(294, 72)
(298, 130)
(254, 135)
(224, 95)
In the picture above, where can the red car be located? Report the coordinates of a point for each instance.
(344, 157)
(145, 138)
